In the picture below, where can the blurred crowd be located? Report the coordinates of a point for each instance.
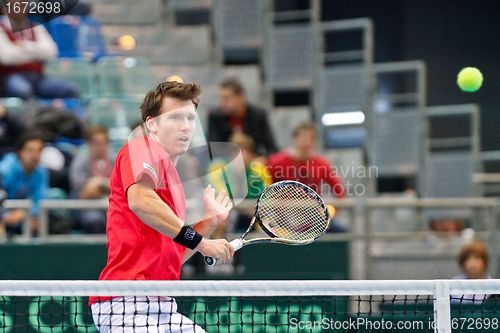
(51, 152)
(55, 154)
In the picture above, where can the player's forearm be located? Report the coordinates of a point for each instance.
(206, 227)
(154, 212)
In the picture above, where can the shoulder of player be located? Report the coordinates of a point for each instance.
(145, 149)
(124, 151)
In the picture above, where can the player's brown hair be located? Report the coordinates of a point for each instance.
(476, 249)
(151, 105)
(304, 126)
(234, 84)
(94, 130)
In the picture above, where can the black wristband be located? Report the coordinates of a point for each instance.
(188, 237)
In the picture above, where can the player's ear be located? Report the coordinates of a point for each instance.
(151, 124)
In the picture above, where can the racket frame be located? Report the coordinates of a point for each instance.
(272, 237)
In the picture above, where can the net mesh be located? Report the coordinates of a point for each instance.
(281, 311)
(293, 211)
(241, 314)
(216, 314)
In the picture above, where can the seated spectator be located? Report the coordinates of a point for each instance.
(446, 226)
(257, 175)
(25, 48)
(58, 124)
(257, 179)
(10, 129)
(473, 260)
(24, 178)
(235, 114)
(301, 163)
(89, 176)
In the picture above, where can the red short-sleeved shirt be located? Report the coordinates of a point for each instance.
(313, 172)
(135, 250)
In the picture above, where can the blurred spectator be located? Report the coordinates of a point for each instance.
(54, 160)
(24, 178)
(25, 48)
(89, 176)
(235, 115)
(447, 225)
(257, 179)
(473, 260)
(257, 175)
(10, 129)
(56, 122)
(301, 163)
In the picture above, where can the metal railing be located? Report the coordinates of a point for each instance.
(358, 211)
(488, 228)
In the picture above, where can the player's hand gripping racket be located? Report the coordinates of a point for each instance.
(290, 213)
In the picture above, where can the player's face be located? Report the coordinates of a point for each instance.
(30, 154)
(174, 128)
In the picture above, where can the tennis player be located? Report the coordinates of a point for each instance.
(147, 238)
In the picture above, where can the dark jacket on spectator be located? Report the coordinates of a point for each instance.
(254, 123)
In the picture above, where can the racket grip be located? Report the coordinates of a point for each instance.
(236, 244)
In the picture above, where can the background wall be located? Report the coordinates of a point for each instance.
(85, 262)
(447, 35)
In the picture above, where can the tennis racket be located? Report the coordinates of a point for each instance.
(290, 213)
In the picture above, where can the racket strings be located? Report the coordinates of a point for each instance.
(292, 212)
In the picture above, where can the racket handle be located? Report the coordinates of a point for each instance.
(236, 244)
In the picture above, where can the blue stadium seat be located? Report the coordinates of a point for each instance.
(91, 40)
(64, 31)
(78, 37)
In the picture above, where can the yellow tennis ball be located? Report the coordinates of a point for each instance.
(126, 42)
(331, 211)
(175, 78)
(470, 79)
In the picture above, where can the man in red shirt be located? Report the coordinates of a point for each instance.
(147, 238)
(302, 164)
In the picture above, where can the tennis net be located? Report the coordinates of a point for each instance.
(442, 306)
